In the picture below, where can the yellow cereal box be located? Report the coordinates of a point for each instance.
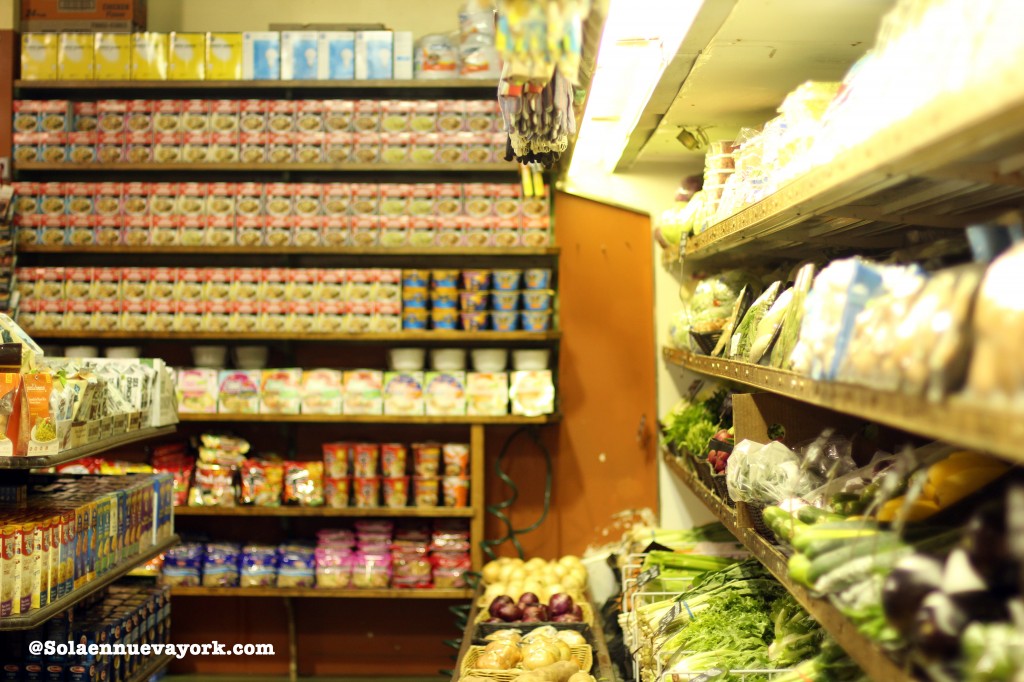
(149, 56)
(39, 56)
(112, 56)
(223, 56)
(74, 56)
(188, 57)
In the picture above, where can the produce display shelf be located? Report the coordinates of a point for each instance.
(954, 162)
(39, 462)
(368, 337)
(40, 616)
(375, 512)
(382, 251)
(499, 167)
(366, 419)
(872, 660)
(320, 592)
(955, 420)
(440, 84)
(151, 667)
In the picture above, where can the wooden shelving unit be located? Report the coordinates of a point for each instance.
(875, 662)
(151, 667)
(85, 450)
(488, 168)
(276, 85)
(40, 616)
(954, 162)
(318, 512)
(321, 593)
(511, 420)
(955, 420)
(438, 336)
(374, 251)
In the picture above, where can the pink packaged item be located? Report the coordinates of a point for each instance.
(371, 571)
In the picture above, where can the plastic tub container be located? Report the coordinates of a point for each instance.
(444, 279)
(473, 301)
(448, 359)
(444, 299)
(214, 357)
(537, 301)
(476, 280)
(505, 321)
(445, 318)
(82, 352)
(474, 322)
(537, 278)
(415, 278)
(122, 352)
(407, 359)
(489, 359)
(506, 280)
(505, 301)
(530, 360)
(250, 357)
(415, 318)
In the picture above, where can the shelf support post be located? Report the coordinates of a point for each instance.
(476, 491)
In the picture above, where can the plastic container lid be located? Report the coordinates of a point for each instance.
(490, 359)
(407, 359)
(448, 359)
(528, 360)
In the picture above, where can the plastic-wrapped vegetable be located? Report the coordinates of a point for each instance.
(790, 329)
(744, 333)
(766, 474)
(997, 368)
(768, 327)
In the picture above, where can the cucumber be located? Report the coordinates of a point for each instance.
(816, 548)
(809, 514)
(802, 537)
(877, 547)
(781, 522)
(799, 569)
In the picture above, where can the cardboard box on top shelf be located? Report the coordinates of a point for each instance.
(39, 56)
(149, 56)
(299, 57)
(261, 55)
(75, 56)
(374, 55)
(336, 55)
(187, 59)
(93, 15)
(112, 56)
(223, 56)
(402, 55)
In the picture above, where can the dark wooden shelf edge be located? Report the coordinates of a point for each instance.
(40, 616)
(868, 656)
(89, 450)
(383, 252)
(366, 419)
(321, 593)
(32, 166)
(356, 512)
(413, 84)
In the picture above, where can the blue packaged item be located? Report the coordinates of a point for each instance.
(415, 318)
(183, 565)
(505, 301)
(533, 321)
(258, 566)
(374, 55)
(296, 566)
(220, 567)
(299, 55)
(444, 299)
(505, 321)
(414, 297)
(537, 300)
(336, 58)
(506, 280)
(537, 278)
(415, 278)
(445, 279)
(261, 55)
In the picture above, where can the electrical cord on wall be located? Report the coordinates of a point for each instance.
(498, 510)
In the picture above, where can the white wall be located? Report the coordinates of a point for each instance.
(650, 188)
(419, 16)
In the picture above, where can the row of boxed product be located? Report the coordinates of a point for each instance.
(250, 148)
(503, 308)
(251, 55)
(122, 614)
(72, 531)
(310, 232)
(276, 199)
(373, 555)
(356, 285)
(277, 116)
(365, 392)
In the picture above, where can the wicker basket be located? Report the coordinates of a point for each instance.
(704, 473)
(722, 488)
(581, 653)
(756, 514)
(585, 607)
(483, 630)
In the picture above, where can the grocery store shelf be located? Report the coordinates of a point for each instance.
(872, 660)
(40, 616)
(445, 84)
(365, 419)
(955, 420)
(382, 251)
(499, 167)
(369, 337)
(320, 592)
(375, 512)
(85, 450)
(954, 162)
(150, 667)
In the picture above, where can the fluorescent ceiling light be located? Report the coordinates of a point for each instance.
(640, 38)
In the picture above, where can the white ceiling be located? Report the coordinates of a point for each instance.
(761, 51)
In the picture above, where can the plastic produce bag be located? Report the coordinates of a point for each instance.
(997, 368)
(766, 474)
(790, 330)
(744, 333)
(768, 327)
(828, 456)
(713, 299)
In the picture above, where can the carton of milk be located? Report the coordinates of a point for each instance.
(374, 50)
(261, 55)
(299, 58)
(403, 55)
(336, 55)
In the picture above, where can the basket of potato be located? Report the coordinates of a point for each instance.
(543, 655)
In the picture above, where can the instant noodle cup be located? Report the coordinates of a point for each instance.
(444, 318)
(535, 321)
(474, 322)
(425, 490)
(456, 491)
(456, 459)
(364, 459)
(537, 278)
(396, 491)
(415, 278)
(506, 280)
(393, 458)
(415, 297)
(473, 301)
(505, 301)
(537, 300)
(444, 279)
(337, 492)
(476, 280)
(444, 298)
(505, 321)
(426, 458)
(415, 318)
(366, 491)
(336, 460)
